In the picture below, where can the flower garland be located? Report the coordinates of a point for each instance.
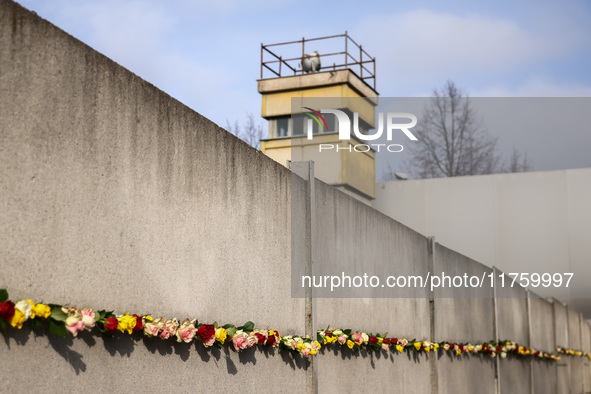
(60, 319)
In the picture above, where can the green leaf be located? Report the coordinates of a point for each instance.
(3, 295)
(215, 325)
(57, 328)
(57, 313)
(3, 325)
(37, 324)
(248, 326)
(231, 331)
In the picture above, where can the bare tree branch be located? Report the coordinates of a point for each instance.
(452, 139)
(251, 132)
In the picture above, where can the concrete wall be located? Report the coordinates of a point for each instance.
(532, 222)
(114, 195)
(356, 239)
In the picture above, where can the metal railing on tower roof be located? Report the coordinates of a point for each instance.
(280, 66)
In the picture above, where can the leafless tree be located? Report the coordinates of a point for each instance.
(251, 132)
(518, 162)
(452, 141)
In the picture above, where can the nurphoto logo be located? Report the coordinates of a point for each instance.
(344, 129)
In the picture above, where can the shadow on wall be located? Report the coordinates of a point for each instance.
(346, 353)
(124, 345)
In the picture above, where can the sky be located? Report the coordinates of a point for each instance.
(207, 54)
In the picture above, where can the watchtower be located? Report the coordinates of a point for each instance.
(295, 82)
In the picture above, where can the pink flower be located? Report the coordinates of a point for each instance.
(169, 328)
(88, 318)
(342, 339)
(74, 324)
(151, 329)
(385, 347)
(306, 352)
(357, 338)
(251, 340)
(239, 340)
(186, 331)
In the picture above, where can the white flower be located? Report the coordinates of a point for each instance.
(365, 337)
(25, 307)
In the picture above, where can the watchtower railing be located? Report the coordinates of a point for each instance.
(279, 66)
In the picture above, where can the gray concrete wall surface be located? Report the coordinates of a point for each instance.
(115, 195)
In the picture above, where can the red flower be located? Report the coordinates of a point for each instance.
(394, 341)
(387, 341)
(452, 346)
(271, 340)
(260, 338)
(499, 349)
(6, 310)
(206, 331)
(139, 322)
(373, 340)
(111, 324)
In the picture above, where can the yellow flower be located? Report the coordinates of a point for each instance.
(300, 346)
(435, 346)
(458, 352)
(417, 345)
(126, 323)
(18, 319)
(470, 348)
(41, 310)
(427, 349)
(399, 348)
(380, 340)
(350, 343)
(32, 308)
(221, 334)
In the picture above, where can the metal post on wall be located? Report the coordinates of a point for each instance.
(432, 310)
(496, 330)
(529, 341)
(305, 170)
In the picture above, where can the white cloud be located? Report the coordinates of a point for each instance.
(535, 88)
(415, 44)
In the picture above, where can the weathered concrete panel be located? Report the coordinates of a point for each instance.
(347, 372)
(512, 311)
(574, 329)
(115, 195)
(355, 239)
(476, 322)
(463, 319)
(542, 327)
(466, 374)
(545, 378)
(514, 376)
(560, 323)
(586, 338)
